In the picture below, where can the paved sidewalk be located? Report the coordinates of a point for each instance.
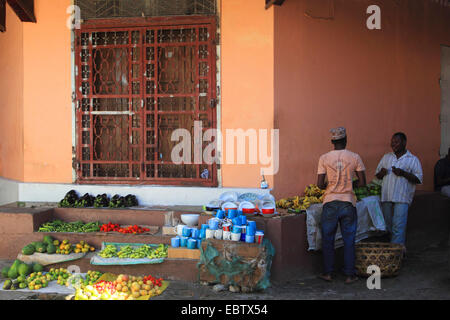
(424, 275)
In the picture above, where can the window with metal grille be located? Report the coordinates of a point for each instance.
(99, 9)
(136, 85)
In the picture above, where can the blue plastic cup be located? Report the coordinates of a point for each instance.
(213, 224)
(183, 241)
(186, 232)
(175, 242)
(251, 224)
(240, 213)
(195, 233)
(202, 234)
(251, 231)
(199, 243)
(249, 238)
(236, 222)
(243, 220)
(220, 214)
(192, 244)
(236, 229)
(232, 213)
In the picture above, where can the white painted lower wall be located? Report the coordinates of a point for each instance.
(148, 195)
(9, 191)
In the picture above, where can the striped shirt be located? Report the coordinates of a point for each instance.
(395, 188)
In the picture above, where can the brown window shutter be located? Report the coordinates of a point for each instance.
(2, 15)
(24, 9)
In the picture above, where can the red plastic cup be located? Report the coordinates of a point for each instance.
(259, 236)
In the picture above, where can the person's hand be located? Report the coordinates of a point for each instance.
(383, 172)
(398, 172)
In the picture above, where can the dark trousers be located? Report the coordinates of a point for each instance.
(344, 214)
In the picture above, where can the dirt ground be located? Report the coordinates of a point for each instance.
(425, 275)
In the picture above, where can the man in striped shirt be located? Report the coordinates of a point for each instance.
(400, 171)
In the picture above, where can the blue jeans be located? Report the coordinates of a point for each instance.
(344, 214)
(396, 217)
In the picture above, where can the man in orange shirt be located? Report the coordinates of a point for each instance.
(339, 204)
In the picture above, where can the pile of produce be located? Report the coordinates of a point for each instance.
(78, 227)
(91, 277)
(36, 281)
(312, 195)
(20, 274)
(72, 200)
(370, 189)
(101, 201)
(145, 251)
(124, 287)
(83, 247)
(113, 227)
(50, 246)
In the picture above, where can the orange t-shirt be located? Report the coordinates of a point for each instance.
(339, 166)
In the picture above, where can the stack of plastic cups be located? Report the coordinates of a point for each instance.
(243, 232)
(226, 231)
(251, 231)
(203, 231)
(195, 233)
(259, 236)
(175, 242)
(236, 233)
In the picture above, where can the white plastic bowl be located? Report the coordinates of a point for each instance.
(190, 219)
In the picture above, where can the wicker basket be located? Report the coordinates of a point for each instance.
(387, 256)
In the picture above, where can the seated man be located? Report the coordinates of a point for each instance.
(442, 175)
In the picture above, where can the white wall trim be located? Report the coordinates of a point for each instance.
(149, 195)
(9, 191)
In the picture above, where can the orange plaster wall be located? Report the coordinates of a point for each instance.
(338, 73)
(11, 98)
(47, 95)
(247, 75)
(247, 64)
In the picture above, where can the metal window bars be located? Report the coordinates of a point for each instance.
(136, 85)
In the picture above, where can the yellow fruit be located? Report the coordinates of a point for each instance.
(84, 250)
(79, 246)
(65, 241)
(135, 295)
(143, 292)
(67, 247)
(124, 289)
(92, 249)
(77, 250)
